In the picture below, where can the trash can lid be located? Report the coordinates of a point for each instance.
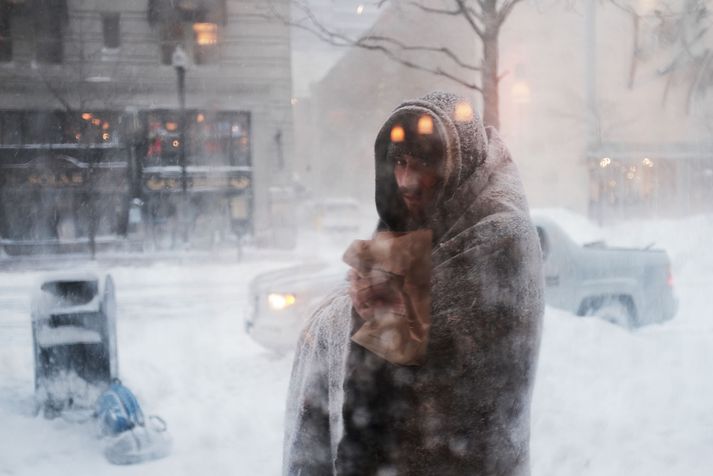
(67, 293)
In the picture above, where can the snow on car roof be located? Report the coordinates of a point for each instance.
(579, 228)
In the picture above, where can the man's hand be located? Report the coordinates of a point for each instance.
(377, 289)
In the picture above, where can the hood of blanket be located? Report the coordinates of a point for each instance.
(470, 156)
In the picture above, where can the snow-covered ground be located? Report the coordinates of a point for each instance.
(607, 401)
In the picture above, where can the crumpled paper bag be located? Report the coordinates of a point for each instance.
(398, 332)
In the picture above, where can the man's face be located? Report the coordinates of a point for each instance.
(418, 181)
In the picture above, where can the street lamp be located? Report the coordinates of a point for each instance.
(179, 60)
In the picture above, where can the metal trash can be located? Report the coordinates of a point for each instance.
(74, 340)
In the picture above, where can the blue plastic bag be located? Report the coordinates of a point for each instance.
(117, 410)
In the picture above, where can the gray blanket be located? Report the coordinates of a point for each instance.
(466, 409)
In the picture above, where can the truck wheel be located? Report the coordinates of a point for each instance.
(618, 310)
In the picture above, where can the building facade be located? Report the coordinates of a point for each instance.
(167, 121)
(592, 123)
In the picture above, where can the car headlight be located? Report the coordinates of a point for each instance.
(280, 301)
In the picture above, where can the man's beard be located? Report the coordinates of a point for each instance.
(419, 219)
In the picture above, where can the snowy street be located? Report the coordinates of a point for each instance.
(607, 402)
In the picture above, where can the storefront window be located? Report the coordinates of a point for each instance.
(212, 138)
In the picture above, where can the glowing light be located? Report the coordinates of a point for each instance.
(294, 101)
(206, 33)
(425, 125)
(647, 162)
(175, 143)
(630, 175)
(106, 137)
(96, 121)
(280, 301)
(235, 129)
(200, 117)
(360, 9)
(77, 136)
(397, 134)
(604, 162)
(105, 126)
(520, 92)
(86, 116)
(171, 126)
(463, 112)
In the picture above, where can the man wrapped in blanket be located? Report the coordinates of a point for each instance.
(424, 364)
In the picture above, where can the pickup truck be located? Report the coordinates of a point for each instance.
(628, 287)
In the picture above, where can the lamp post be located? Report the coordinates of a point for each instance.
(179, 60)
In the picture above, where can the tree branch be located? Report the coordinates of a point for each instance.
(55, 92)
(701, 68)
(505, 10)
(441, 11)
(474, 13)
(625, 8)
(468, 15)
(378, 43)
(433, 49)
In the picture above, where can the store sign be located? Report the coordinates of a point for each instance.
(56, 180)
(44, 178)
(240, 183)
(157, 183)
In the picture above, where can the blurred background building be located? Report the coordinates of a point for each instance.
(312, 57)
(166, 120)
(606, 107)
(200, 121)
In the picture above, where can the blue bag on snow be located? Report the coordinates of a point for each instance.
(117, 410)
(129, 439)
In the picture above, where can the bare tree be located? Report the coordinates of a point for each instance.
(72, 86)
(73, 89)
(678, 37)
(484, 19)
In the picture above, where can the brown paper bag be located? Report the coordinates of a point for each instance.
(399, 330)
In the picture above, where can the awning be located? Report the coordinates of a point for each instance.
(668, 151)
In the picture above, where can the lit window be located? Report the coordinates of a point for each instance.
(206, 33)
(205, 43)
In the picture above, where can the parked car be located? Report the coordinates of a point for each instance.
(282, 300)
(626, 286)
